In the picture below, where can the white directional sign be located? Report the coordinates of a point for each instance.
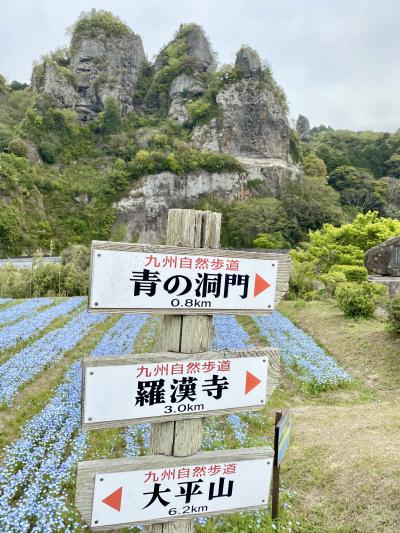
(177, 281)
(121, 391)
(147, 491)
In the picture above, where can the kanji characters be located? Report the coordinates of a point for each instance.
(183, 389)
(145, 282)
(150, 392)
(214, 386)
(156, 494)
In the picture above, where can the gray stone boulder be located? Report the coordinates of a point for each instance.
(303, 127)
(384, 259)
(248, 62)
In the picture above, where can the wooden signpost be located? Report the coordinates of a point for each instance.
(283, 426)
(186, 281)
(138, 388)
(174, 280)
(159, 489)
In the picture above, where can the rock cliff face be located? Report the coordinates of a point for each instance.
(100, 66)
(248, 117)
(252, 125)
(144, 212)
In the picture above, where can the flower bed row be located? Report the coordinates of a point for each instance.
(11, 335)
(40, 463)
(302, 357)
(32, 359)
(11, 314)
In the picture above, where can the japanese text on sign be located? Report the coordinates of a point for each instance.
(145, 495)
(140, 280)
(146, 390)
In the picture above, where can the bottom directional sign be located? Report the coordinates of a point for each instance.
(156, 489)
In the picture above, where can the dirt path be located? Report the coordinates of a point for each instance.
(344, 461)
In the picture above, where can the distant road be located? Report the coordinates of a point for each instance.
(26, 262)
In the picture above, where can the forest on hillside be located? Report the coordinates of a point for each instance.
(59, 177)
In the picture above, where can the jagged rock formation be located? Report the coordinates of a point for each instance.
(303, 127)
(243, 115)
(252, 124)
(101, 66)
(144, 212)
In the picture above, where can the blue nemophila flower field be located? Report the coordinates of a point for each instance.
(11, 314)
(302, 357)
(28, 362)
(40, 464)
(228, 334)
(11, 335)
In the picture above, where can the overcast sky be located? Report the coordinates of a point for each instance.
(337, 60)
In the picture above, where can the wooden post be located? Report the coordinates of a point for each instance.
(276, 471)
(188, 334)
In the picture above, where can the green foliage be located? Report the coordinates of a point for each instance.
(393, 165)
(331, 281)
(18, 147)
(368, 150)
(302, 280)
(9, 234)
(351, 272)
(393, 310)
(68, 278)
(346, 244)
(314, 166)
(271, 241)
(359, 299)
(295, 146)
(93, 23)
(112, 116)
(359, 189)
(310, 202)
(48, 152)
(247, 220)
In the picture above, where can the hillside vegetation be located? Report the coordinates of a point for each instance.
(60, 177)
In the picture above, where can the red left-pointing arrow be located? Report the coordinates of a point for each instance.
(114, 499)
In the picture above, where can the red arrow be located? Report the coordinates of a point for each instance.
(251, 382)
(260, 285)
(114, 499)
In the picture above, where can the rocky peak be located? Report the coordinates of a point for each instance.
(191, 41)
(303, 127)
(248, 62)
(106, 58)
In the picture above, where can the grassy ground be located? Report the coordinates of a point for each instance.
(343, 464)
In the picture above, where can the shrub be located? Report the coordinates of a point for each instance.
(301, 283)
(359, 299)
(331, 281)
(393, 310)
(48, 152)
(18, 147)
(352, 272)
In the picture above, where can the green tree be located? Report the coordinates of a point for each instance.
(358, 189)
(310, 202)
(246, 220)
(314, 166)
(112, 116)
(9, 231)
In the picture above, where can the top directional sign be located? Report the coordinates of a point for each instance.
(178, 280)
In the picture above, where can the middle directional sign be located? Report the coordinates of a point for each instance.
(121, 391)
